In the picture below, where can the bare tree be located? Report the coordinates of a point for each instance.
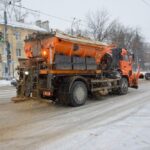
(15, 11)
(138, 46)
(102, 28)
(128, 38)
(75, 28)
(121, 35)
(99, 25)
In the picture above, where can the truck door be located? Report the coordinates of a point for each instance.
(125, 64)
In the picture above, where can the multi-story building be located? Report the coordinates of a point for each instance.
(16, 33)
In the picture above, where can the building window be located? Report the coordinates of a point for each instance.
(18, 36)
(18, 52)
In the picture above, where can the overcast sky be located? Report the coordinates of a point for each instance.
(129, 12)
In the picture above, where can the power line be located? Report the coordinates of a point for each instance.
(49, 15)
(40, 12)
(145, 2)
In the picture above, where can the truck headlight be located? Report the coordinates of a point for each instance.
(26, 73)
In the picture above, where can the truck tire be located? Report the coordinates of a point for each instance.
(123, 89)
(78, 94)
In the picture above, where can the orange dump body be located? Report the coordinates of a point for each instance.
(48, 46)
(69, 46)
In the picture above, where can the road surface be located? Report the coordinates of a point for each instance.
(106, 123)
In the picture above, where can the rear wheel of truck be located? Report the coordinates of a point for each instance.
(123, 89)
(78, 94)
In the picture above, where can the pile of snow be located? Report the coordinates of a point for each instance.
(4, 83)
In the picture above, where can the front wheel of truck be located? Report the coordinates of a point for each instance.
(123, 89)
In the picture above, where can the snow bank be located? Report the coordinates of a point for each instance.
(4, 83)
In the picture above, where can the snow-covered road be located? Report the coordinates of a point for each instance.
(108, 123)
(4, 83)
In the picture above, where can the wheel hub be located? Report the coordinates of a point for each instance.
(79, 93)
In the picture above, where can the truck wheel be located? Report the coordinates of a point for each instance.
(123, 87)
(78, 94)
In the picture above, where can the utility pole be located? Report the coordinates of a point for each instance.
(75, 26)
(7, 45)
(9, 12)
(72, 24)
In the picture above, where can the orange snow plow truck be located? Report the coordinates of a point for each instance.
(68, 69)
